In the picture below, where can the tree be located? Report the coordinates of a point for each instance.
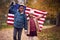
(55, 4)
(51, 6)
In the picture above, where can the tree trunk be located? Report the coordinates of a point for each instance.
(0, 21)
(58, 19)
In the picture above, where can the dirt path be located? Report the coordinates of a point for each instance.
(7, 34)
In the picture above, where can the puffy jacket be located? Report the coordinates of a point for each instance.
(20, 20)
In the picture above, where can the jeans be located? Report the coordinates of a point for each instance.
(19, 31)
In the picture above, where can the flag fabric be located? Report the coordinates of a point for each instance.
(37, 13)
(10, 18)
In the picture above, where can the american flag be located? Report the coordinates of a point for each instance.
(36, 13)
(10, 18)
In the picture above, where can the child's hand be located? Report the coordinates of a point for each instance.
(39, 30)
(13, 2)
(26, 31)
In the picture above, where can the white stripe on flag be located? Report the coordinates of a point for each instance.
(27, 18)
(27, 11)
(37, 14)
(26, 14)
(10, 22)
(42, 19)
(40, 22)
(10, 18)
(10, 14)
(40, 25)
(28, 8)
(40, 28)
(45, 16)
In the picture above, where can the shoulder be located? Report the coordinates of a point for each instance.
(24, 14)
(35, 19)
(17, 12)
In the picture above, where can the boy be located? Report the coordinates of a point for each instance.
(20, 21)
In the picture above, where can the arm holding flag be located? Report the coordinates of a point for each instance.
(12, 10)
(14, 7)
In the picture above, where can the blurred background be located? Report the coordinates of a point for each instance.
(52, 19)
(51, 6)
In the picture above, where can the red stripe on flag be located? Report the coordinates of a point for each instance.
(41, 27)
(41, 23)
(41, 20)
(38, 12)
(10, 20)
(27, 9)
(26, 12)
(44, 16)
(10, 24)
(11, 16)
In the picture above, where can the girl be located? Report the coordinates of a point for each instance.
(32, 27)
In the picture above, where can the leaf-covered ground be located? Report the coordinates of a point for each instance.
(50, 34)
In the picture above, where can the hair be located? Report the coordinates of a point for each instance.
(21, 5)
(29, 15)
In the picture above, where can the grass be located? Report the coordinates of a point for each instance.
(5, 26)
(50, 34)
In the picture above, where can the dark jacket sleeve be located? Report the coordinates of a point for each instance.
(13, 8)
(25, 22)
